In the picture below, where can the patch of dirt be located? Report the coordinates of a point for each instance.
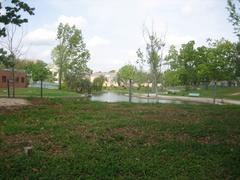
(15, 143)
(236, 94)
(128, 132)
(8, 102)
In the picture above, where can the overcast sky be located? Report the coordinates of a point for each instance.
(112, 29)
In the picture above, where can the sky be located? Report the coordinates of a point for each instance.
(113, 29)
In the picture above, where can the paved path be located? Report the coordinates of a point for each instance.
(5, 102)
(190, 99)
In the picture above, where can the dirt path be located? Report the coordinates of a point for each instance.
(236, 94)
(13, 102)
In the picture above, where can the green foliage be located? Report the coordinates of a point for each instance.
(98, 82)
(40, 72)
(35, 68)
(70, 55)
(234, 15)
(171, 78)
(13, 14)
(125, 73)
(141, 77)
(219, 61)
(84, 86)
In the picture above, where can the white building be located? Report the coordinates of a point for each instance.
(109, 76)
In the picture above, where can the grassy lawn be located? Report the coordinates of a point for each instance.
(222, 92)
(78, 138)
(35, 92)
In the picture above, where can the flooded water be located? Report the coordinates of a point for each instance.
(117, 97)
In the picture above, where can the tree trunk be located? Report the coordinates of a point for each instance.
(13, 81)
(155, 85)
(148, 88)
(41, 88)
(60, 77)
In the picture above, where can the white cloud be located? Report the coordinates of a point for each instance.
(46, 35)
(78, 21)
(97, 41)
(41, 36)
(187, 9)
(178, 40)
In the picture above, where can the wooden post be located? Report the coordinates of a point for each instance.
(130, 90)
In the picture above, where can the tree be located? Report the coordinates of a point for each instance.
(153, 56)
(188, 63)
(171, 78)
(28, 65)
(13, 46)
(13, 14)
(234, 15)
(84, 86)
(141, 77)
(126, 73)
(70, 55)
(98, 82)
(40, 72)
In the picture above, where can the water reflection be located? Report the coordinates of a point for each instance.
(117, 97)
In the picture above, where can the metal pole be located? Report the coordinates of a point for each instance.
(8, 88)
(214, 92)
(148, 88)
(130, 90)
(41, 89)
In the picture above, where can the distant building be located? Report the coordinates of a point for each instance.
(109, 76)
(54, 70)
(20, 78)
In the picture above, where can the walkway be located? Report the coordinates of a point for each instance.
(189, 99)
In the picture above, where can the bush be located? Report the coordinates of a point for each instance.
(84, 86)
(98, 83)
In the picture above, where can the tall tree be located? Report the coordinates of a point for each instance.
(234, 15)
(153, 55)
(70, 55)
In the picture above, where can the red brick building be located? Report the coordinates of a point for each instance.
(20, 78)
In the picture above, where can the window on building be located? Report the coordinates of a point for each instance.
(17, 79)
(22, 79)
(4, 79)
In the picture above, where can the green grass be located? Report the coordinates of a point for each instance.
(76, 138)
(35, 92)
(221, 92)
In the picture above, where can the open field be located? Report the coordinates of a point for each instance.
(78, 138)
(35, 92)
